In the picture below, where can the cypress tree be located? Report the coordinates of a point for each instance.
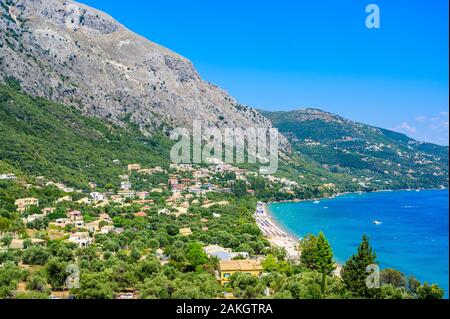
(324, 259)
(354, 272)
(308, 249)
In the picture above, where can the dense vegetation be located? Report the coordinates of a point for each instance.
(129, 262)
(40, 137)
(149, 256)
(43, 138)
(376, 158)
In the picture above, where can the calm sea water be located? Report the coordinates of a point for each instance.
(412, 238)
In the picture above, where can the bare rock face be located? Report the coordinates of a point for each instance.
(74, 54)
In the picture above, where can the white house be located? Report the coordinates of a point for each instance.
(126, 193)
(81, 239)
(32, 218)
(48, 210)
(62, 222)
(106, 229)
(8, 177)
(224, 253)
(125, 185)
(164, 211)
(97, 197)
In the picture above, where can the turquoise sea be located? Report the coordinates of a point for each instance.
(413, 235)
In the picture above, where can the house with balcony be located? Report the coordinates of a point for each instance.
(97, 197)
(229, 267)
(61, 222)
(24, 203)
(81, 239)
(75, 215)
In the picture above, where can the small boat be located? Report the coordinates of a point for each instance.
(417, 190)
(317, 202)
(377, 222)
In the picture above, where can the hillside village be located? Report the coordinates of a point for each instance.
(90, 207)
(186, 186)
(80, 217)
(184, 231)
(376, 158)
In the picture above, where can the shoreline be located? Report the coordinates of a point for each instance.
(277, 235)
(293, 236)
(270, 217)
(288, 240)
(297, 200)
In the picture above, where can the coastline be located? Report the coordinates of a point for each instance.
(271, 217)
(287, 240)
(297, 200)
(268, 216)
(276, 235)
(293, 236)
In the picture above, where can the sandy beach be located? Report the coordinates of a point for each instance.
(277, 236)
(280, 238)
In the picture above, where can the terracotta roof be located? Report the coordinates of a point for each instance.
(240, 265)
(140, 214)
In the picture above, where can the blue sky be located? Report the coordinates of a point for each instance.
(290, 54)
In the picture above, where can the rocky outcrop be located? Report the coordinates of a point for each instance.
(74, 54)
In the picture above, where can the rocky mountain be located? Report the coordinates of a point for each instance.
(65, 52)
(70, 53)
(375, 157)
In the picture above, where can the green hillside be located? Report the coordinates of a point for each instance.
(376, 158)
(39, 137)
(43, 138)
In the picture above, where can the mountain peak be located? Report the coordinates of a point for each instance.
(71, 53)
(307, 114)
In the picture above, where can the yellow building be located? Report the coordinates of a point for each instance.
(64, 199)
(185, 231)
(134, 167)
(23, 203)
(228, 267)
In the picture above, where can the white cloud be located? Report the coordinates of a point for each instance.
(406, 128)
(421, 119)
(441, 125)
(432, 128)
